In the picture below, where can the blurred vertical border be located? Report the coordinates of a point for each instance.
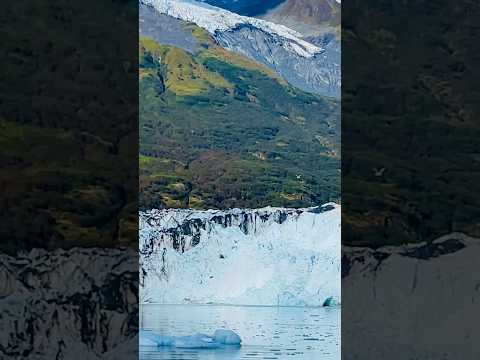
(69, 179)
(410, 179)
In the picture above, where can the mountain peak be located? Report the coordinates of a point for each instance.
(309, 17)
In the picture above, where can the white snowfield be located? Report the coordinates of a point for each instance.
(215, 19)
(268, 256)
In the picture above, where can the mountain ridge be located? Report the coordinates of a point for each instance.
(215, 19)
(308, 17)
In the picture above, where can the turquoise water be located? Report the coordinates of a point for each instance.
(266, 332)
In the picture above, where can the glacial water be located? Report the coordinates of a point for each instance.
(266, 332)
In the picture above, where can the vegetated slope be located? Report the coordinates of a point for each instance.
(411, 170)
(56, 197)
(68, 127)
(218, 130)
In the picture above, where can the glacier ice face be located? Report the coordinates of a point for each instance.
(268, 256)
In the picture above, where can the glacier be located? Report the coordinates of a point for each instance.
(214, 19)
(268, 256)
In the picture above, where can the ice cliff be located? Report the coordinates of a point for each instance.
(268, 256)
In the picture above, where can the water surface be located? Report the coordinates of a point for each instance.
(266, 332)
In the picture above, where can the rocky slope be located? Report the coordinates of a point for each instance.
(320, 73)
(165, 29)
(269, 256)
(75, 304)
(307, 66)
(309, 17)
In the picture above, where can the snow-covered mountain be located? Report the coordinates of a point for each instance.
(303, 64)
(215, 19)
(268, 256)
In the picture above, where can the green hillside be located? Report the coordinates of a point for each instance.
(218, 130)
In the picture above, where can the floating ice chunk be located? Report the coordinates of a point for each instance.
(146, 342)
(165, 340)
(330, 301)
(149, 338)
(227, 337)
(198, 341)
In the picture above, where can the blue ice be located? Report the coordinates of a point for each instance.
(226, 337)
(220, 338)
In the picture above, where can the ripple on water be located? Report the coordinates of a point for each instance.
(267, 333)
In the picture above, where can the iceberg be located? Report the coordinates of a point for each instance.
(226, 337)
(146, 342)
(330, 301)
(197, 341)
(149, 338)
(220, 338)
